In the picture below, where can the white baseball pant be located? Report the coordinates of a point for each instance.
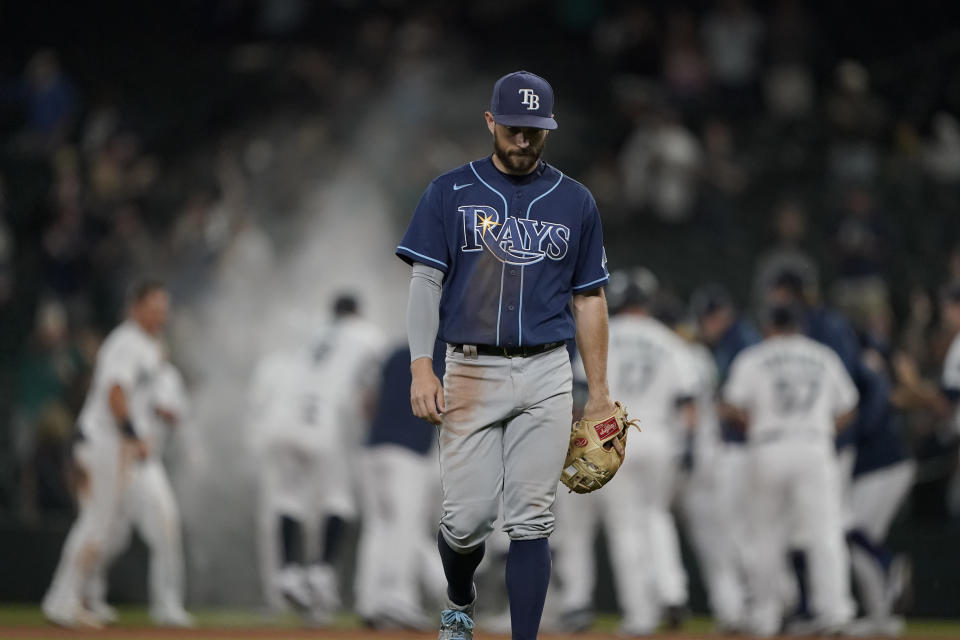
(796, 485)
(641, 536)
(103, 466)
(714, 508)
(397, 556)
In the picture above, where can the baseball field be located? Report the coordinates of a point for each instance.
(25, 622)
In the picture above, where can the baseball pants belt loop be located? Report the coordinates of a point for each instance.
(471, 351)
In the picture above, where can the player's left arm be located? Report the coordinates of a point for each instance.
(589, 308)
(590, 316)
(734, 405)
(844, 394)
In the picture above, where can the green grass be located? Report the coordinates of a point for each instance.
(29, 616)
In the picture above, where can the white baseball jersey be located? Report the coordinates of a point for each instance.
(308, 395)
(650, 368)
(347, 356)
(270, 377)
(131, 358)
(351, 351)
(287, 402)
(951, 374)
(708, 427)
(170, 395)
(790, 386)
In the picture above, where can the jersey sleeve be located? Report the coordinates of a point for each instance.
(688, 377)
(591, 269)
(738, 389)
(170, 392)
(425, 239)
(950, 381)
(121, 365)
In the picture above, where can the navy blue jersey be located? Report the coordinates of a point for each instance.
(880, 444)
(513, 249)
(394, 422)
(738, 336)
(878, 441)
(832, 329)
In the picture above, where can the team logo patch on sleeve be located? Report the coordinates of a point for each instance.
(607, 428)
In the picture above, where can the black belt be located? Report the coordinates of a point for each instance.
(510, 352)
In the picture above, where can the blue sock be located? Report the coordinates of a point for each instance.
(459, 569)
(528, 575)
(880, 553)
(291, 535)
(798, 560)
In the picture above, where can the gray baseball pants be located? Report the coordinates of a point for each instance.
(506, 426)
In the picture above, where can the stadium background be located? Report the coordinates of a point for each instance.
(262, 155)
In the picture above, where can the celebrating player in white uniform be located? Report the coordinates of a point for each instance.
(793, 393)
(111, 438)
(150, 507)
(713, 496)
(950, 381)
(712, 502)
(396, 558)
(308, 419)
(649, 368)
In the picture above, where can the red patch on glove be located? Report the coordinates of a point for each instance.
(581, 442)
(607, 428)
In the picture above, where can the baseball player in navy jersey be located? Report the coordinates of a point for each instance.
(650, 367)
(879, 472)
(793, 393)
(397, 560)
(111, 439)
(943, 398)
(508, 263)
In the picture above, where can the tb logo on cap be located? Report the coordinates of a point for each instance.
(530, 100)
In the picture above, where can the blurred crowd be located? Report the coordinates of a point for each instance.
(723, 140)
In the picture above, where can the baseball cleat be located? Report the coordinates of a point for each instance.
(292, 585)
(172, 617)
(78, 618)
(899, 588)
(456, 622)
(106, 614)
(575, 621)
(322, 585)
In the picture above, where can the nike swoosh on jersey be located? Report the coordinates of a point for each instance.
(457, 187)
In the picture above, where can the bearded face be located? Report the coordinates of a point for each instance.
(518, 148)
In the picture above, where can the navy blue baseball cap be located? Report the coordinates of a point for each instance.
(523, 99)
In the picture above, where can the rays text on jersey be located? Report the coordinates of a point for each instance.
(518, 241)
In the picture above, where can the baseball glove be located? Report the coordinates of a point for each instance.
(594, 456)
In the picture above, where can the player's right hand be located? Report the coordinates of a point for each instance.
(426, 391)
